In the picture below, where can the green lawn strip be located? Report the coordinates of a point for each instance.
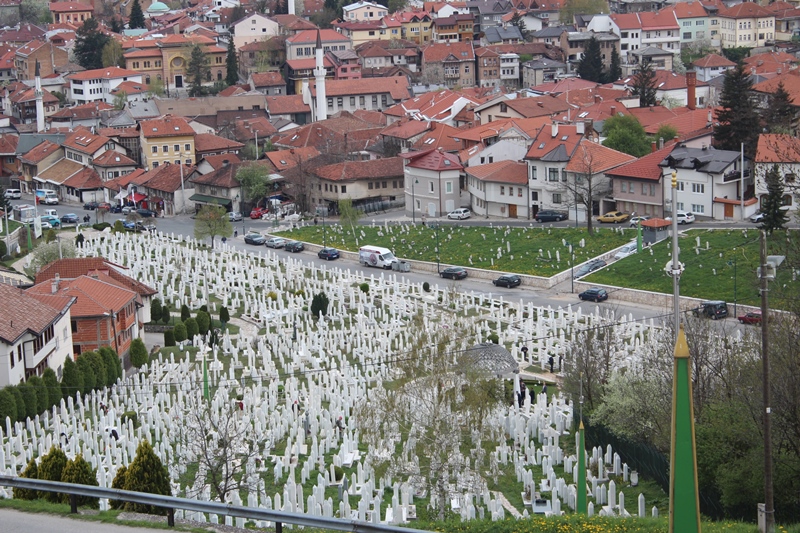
(709, 268)
(532, 249)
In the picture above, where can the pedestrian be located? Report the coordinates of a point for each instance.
(224, 240)
(235, 233)
(340, 426)
(315, 221)
(423, 220)
(550, 361)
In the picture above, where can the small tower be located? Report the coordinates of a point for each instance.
(290, 7)
(37, 92)
(319, 75)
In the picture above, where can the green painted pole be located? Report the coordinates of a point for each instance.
(205, 377)
(639, 237)
(684, 500)
(581, 507)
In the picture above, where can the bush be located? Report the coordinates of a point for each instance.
(132, 416)
(78, 471)
(50, 236)
(138, 353)
(493, 338)
(319, 305)
(272, 295)
(155, 310)
(299, 292)
(426, 287)
(3, 249)
(31, 472)
(364, 287)
(169, 337)
(118, 227)
(53, 388)
(180, 332)
(86, 369)
(185, 313)
(8, 406)
(30, 399)
(203, 322)
(224, 315)
(72, 380)
(166, 314)
(51, 469)
(119, 483)
(192, 328)
(42, 394)
(101, 226)
(99, 368)
(147, 474)
(19, 402)
(338, 472)
(113, 365)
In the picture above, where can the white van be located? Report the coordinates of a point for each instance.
(376, 256)
(47, 196)
(13, 194)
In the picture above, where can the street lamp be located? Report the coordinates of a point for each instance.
(572, 267)
(413, 203)
(734, 282)
(436, 229)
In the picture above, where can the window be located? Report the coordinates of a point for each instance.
(384, 184)
(652, 189)
(698, 188)
(155, 149)
(534, 196)
(165, 149)
(339, 102)
(448, 187)
(177, 161)
(556, 198)
(430, 187)
(361, 100)
(680, 186)
(502, 191)
(330, 103)
(353, 101)
(533, 173)
(187, 147)
(698, 208)
(177, 148)
(623, 186)
(553, 174)
(344, 188)
(680, 205)
(687, 35)
(155, 164)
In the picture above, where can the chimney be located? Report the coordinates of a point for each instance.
(554, 129)
(580, 128)
(597, 99)
(691, 84)
(652, 147)
(660, 143)
(588, 127)
(613, 110)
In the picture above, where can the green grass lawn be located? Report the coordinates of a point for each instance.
(725, 259)
(538, 250)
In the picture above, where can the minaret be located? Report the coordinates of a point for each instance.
(319, 75)
(290, 7)
(39, 101)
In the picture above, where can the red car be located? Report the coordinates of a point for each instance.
(750, 318)
(258, 212)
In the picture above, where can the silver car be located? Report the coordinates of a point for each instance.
(276, 242)
(234, 217)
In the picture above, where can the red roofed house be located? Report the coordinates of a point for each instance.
(96, 85)
(210, 144)
(35, 334)
(168, 139)
(303, 45)
(38, 158)
(9, 164)
(81, 115)
(269, 83)
(784, 151)
(74, 13)
(637, 186)
(433, 183)
(219, 186)
(366, 183)
(351, 95)
(746, 24)
(711, 66)
(547, 157)
(452, 62)
(166, 189)
(499, 189)
(47, 54)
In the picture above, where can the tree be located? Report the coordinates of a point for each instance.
(72, 382)
(112, 364)
(587, 184)
(192, 328)
(737, 122)
(53, 388)
(319, 304)
(666, 132)
(8, 407)
(30, 399)
(644, 84)
(254, 179)
(197, 70)
(19, 401)
(232, 64)
(625, 134)
(137, 16)
(51, 468)
(147, 474)
(47, 252)
(349, 215)
(203, 320)
(212, 221)
(615, 70)
(224, 315)
(166, 314)
(185, 313)
(80, 472)
(113, 55)
(429, 424)
(519, 22)
(233, 445)
(775, 217)
(5, 203)
(155, 88)
(117, 26)
(169, 338)
(155, 310)
(42, 394)
(779, 116)
(31, 472)
(138, 353)
(119, 483)
(98, 367)
(89, 44)
(590, 66)
(180, 332)
(86, 369)
(582, 7)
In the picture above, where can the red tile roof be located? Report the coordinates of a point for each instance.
(224, 177)
(441, 136)
(219, 160)
(592, 157)
(777, 148)
(8, 144)
(208, 142)
(690, 124)
(285, 159)
(66, 7)
(746, 10)
(627, 21)
(287, 104)
(646, 167)
(713, 60)
(267, 79)
(359, 170)
(406, 128)
(23, 313)
(88, 178)
(83, 111)
(96, 296)
(436, 160)
(108, 73)
(39, 152)
(501, 172)
(84, 141)
(546, 141)
(438, 52)
(166, 126)
(791, 84)
(74, 267)
(111, 158)
(396, 86)
(688, 10)
(662, 20)
(537, 107)
(310, 36)
(164, 178)
(567, 84)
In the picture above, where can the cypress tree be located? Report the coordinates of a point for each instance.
(72, 380)
(80, 472)
(615, 70)
(192, 328)
(113, 367)
(197, 71)
(155, 310)
(779, 116)
(53, 388)
(99, 367)
(138, 353)
(8, 407)
(591, 65)
(19, 401)
(137, 16)
(180, 332)
(737, 122)
(774, 217)
(42, 395)
(87, 371)
(185, 313)
(644, 84)
(31, 472)
(232, 64)
(30, 399)
(147, 474)
(203, 322)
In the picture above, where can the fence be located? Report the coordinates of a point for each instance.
(170, 503)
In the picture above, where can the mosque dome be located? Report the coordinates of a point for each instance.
(158, 7)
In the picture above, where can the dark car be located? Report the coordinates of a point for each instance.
(594, 295)
(145, 213)
(507, 280)
(591, 266)
(90, 206)
(69, 218)
(550, 216)
(454, 273)
(328, 254)
(750, 318)
(116, 209)
(713, 309)
(294, 246)
(129, 225)
(255, 238)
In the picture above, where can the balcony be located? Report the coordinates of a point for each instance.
(452, 73)
(734, 175)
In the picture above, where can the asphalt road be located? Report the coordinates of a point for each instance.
(18, 522)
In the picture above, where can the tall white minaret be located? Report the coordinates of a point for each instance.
(37, 92)
(319, 75)
(290, 6)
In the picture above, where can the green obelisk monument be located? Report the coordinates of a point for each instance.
(581, 506)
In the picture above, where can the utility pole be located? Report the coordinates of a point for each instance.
(769, 504)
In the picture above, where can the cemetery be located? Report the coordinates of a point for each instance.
(277, 415)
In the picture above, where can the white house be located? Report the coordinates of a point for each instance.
(432, 180)
(499, 189)
(363, 11)
(783, 151)
(254, 28)
(712, 65)
(98, 84)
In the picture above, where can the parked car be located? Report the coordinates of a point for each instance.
(507, 280)
(550, 216)
(685, 217)
(116, 208)
(591, 266)
(50, 219)
(12, 194)
(69, 218)
(46, 225)
(294, 246)
(255, 238)
(276, 242)
(328, 254)
(234, 217)
(594, 295)
(750, 318)
(614, 217)
(459, 214)
(104, 205)
(128, 209)
(713, 309)
(257, 213)
(629, 249)
(757, 217)
(635, 221)
(146, 213)
(90, 206)
(454, 273)
(130, 225)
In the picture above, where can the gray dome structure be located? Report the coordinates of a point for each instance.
(490, 358)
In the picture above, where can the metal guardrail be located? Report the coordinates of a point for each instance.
(170, 503)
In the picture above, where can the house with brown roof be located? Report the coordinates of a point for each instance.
(38, 158)
(98, 84)
(504, 107)
(87, 115)
(218, 187)
(711, 65)
(790, 81)
(290, 107)
(400, 136)
(206, 144)
(638, 186)
(9, 164)
(165, 188)
(22, 100)
(269, 83)
(210, 163)
(434, 106)
(499, 189)
(548, 156)
(452, 62)
(35, 334)
(75, 13)
(47, 54)
(113, 164)
(302, 45)
(376, 182)
(746, 24)
(783, 151)
(350, 95)
(167, 139)
(432, 184)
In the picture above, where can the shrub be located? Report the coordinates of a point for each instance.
(147, 474)
(3, 249)
(118, 227)
(192, 328)
(53, 388)
(132, 416)
(155, 310)
(50, 236)
(364, 287)
(203, 308)
(8, 406)
(101, 226)
(338, 472)
(493, 338)
(113, 365)
(87, 371)
(224, 315)
(299, 292)
(319, 305)
(426, 287)
(51, 469)
(166, 314)
(30, 399)
(31, 472)
(78, 471)
(72, 380)
(272, 295)
(185, 313)
(169, 337)
(19, 402)
(42, 394)
(99, 368)
(180, 332)
(203, 322)
(119, 483)
(138, 353)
